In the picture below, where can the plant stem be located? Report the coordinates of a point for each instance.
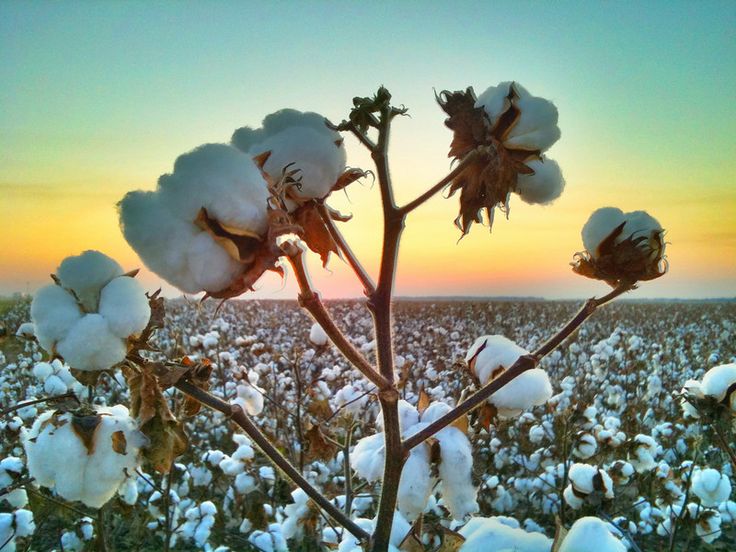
(9, 410)
(309, 300)
(467, 160)
(379, 304)
(237, 415)
(368, 286)
(524, 363)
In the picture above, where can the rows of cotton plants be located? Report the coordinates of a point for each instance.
(623, 436)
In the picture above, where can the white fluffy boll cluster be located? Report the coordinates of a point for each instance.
(603, 221)
(590, 532)
(56, 378)
(711, 487)
(297, 141)
(162, 225)
(501, 533)
(535, 129)
(14, 525)
(415, 486)
(59, 458)
(584, 481)
(492, 355)
(719, 384)
(88, 317)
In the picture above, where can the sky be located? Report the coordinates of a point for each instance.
(99, 98)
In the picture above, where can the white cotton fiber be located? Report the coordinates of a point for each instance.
(124, 305)
(491, 355)
(711, 487)
(455, 470)
(86, 275)
(317, 156)
(415, 484)
(494, 100)
(605, 220)
(544, 186)
(54, 311)
(90, 345)
(161, 225)
(245, 138)
(718, 380)
(484, 534)
(536, 128)
(591, 531)
(317, 335)
(58, 459)
(367, 457)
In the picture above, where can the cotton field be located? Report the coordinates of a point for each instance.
(624, 438)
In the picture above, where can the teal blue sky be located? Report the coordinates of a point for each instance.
(100, 97)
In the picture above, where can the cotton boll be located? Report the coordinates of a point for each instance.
(245, 138)
(54, 311)
(86, 275)
(319, 159)
(494, 100)
(640, 224)
(531, 388)
(27, 330)
(210, 265)
(43, 370)
(708, 526)
(124, 305)
(599, 226)
(483, 534)
(544, 186)
(455, 470)
(711, 487)
(221, 179)
(416, 484)
(54, 386)
(367, 457)
(91, 346)
(589, 531)
(317, 335)
(718, 381)
(536, 128)
(491, 355)
(159, 238)
(90, 477)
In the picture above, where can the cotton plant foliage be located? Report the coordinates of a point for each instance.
(90, 313)
(84, 456)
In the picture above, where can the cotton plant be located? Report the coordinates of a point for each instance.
(90, 313)
(586, 484)
(13, 526)
(84, 456)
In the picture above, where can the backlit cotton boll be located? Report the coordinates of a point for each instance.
(492, 355)
(200, 228)
(85, 458)
(544, 186)
(90, 335)
(621, 247)
(299, 141)
(591, 533)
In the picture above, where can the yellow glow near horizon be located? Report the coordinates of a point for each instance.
(644, 126)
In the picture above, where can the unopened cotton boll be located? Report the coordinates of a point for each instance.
(92, 475)
(125, 307)
(591, 531)
(544, 186)
(86, 275)
(711, 487)
(90, 345)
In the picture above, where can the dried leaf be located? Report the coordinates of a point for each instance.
(314, 231)
(320, 409)
(424, 401)
(348, 177)
(486, 414)
(119, 442)
(411, 543)
(452, 541)
(317, 446)
(462, 424)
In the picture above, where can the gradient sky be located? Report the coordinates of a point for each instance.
(97, 98)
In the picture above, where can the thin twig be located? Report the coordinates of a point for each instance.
(237, 415)
(19, 406)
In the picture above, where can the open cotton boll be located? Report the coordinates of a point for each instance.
(86, 275)
(536, 128)
(711, 487)
(482, 534)
(599, 226)
(531, 388)
(494, 100)
(269, 541)
(718, 381)
(54, 311)
(91, 346)
(367, 457)
(15, 525)
(320, 159)
(124, 305)
(408, 416)
(491, 355)
(544, 186)
(317, 335)
(90, 477)
(250, 399)
(415, 484)
(455, 470)
(245, 137)
(295, 512)
(210, 265)
(26, 329)
(591, 531)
